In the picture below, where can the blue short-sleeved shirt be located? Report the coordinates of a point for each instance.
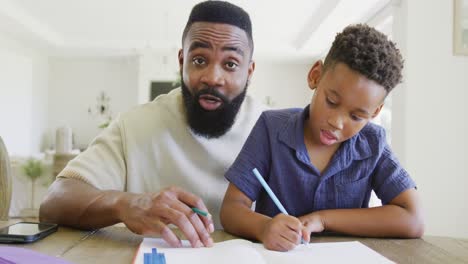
(276, 148)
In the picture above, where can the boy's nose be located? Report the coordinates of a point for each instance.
(336, 121)
(213, 77)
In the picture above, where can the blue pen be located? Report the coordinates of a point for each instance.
(272, 195)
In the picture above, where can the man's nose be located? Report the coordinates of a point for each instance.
(213, 76)
(336, 121)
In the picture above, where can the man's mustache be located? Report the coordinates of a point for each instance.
(211, 91)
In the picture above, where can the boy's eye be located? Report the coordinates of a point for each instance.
(330, 102)
(231, 65)
(198, 61)
(356, 118)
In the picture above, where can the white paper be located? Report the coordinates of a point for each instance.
(243, 251)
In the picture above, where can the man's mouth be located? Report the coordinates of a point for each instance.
(209, 102)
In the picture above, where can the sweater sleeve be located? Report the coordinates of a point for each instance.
(102, 164)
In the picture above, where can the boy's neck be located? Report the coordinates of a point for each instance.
(319, 155)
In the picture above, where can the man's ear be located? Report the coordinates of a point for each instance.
(314, 74)
(250, 71)
(181, 59)
(377, 111)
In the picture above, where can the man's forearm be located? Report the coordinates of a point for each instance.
(74, 203)
(384, 221)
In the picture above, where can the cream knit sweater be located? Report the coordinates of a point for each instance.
(151, 147)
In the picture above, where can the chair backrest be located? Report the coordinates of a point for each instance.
(5, 182)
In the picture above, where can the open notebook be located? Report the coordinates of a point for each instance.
(243, 251)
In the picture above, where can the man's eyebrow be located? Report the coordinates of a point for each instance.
(199, 44)
(205, 45)
(237, 50)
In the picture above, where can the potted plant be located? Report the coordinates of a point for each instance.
(33, 169)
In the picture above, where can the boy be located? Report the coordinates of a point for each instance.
(323, 162)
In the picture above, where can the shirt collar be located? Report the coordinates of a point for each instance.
(292, 134)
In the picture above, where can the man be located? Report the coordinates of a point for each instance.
(157, 161)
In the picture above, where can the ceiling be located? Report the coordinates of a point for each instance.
(291, 29)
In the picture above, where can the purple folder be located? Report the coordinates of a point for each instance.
(16, 255)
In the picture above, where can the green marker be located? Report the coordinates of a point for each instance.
(200, 212)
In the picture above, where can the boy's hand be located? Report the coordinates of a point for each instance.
(282, 233)
(312, 223)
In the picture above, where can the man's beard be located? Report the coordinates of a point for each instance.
(214, 123)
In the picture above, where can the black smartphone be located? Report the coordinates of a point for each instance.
(26, 232)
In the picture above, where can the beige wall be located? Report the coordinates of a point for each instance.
(23, 96)
(283, 82)
(430, 114)
(74, 85)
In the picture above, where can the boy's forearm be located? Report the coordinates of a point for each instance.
(240, 220)
(73, 203)
(385, 221)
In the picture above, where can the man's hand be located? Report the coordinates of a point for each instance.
(282, 233)
(150, 213)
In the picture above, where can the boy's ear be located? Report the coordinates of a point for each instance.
(377, 111)
(314, 74)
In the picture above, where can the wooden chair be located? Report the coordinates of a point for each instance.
(5, 182)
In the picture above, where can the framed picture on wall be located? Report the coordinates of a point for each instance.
(460, 27)
(161, 87)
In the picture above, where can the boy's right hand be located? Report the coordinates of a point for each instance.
(282, 233)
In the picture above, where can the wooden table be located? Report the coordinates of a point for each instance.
(117, 244)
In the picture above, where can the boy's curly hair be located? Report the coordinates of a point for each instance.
(369, 52)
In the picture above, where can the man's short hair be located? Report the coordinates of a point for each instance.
(369, 52)
(220, 12)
